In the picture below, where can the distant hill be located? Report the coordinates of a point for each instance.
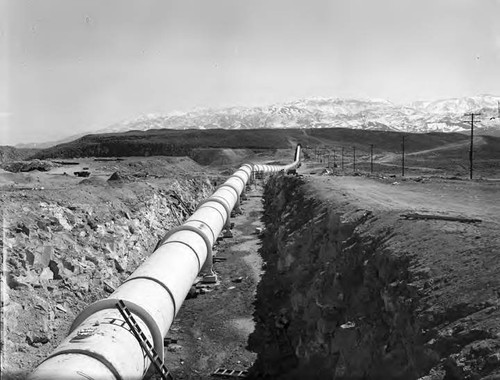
(185, 142)
(48, 144)
(9, 153)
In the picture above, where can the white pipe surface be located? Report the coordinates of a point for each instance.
(99, 344)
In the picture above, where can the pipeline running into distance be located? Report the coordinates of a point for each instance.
(100, 345)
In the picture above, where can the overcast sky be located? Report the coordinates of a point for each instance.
(69, 66)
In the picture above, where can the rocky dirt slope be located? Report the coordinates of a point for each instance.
(64, 248)
(9, 153)
(353, 290)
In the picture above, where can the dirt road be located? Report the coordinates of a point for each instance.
(443, 197)
(453, 264)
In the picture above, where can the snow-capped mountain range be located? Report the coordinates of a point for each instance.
(446, 115)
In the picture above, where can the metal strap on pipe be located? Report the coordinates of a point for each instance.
(205, 224)
(149, 278)
(184, 243)
(93, 355)
(232, 187)
(224, 219)
(197, 231)
(110, 303)
(217, 200)
(249, 166)
(241, 179)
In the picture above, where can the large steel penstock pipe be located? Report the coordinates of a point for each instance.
(100, 344)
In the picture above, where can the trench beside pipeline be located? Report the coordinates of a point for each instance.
(343, 297)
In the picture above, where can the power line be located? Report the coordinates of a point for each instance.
(354, 156)
(371, 158)
(342, 162)
(403, 157)
(471, 149)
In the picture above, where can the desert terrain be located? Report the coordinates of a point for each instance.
(338, 273)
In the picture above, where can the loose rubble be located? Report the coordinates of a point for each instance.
(67, 248)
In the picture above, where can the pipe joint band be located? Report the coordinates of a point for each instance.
(231, 186)
(110, 303)
(216, 209)
(187, 245)
(205, 224)
(220, 201)
(159, 283)
(248, 166)
(241, 179)
(197, 231)
(94, 355)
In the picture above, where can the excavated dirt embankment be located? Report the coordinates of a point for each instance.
(356, 293)
(65, 248)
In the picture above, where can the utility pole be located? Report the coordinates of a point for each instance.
(471, 149)
(403, 158)
(371, 158)
(334, 163)
(354, 156)
(342, 162)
